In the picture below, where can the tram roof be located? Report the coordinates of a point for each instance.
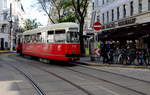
(51, 27)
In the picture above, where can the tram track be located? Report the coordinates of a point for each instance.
(101, 79)
(58, 76)
(122, 75)
(108, 72)
(34, 84)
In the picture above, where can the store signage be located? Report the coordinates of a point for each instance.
(126, 22)
(119, 23)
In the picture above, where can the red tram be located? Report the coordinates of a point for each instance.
(54, 42)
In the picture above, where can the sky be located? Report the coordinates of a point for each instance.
(33, 12)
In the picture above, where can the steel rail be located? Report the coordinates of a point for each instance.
(106, 81)
(62, 78)
(114, 73)
(38, 89)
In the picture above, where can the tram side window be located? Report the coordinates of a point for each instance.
(60, 36)
(33, 38)
(39, 38)
(73, 35)
(26, 39)
(50, 36)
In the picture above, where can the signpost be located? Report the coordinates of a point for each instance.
(97, 51)
(97, 26)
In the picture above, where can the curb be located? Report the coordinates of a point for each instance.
(4, 52)
(111, 65)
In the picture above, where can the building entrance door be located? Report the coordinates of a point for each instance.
(1, 43)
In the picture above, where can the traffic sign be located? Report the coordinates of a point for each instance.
(97, 51)
(97, 26)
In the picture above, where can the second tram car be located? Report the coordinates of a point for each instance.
(54, 42)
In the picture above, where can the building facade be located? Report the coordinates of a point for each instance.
(87, 24)
(124, 20)
(10, 19)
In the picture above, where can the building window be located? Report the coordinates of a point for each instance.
(103, 18)
(103, 2)
(93, 5)
(118, 13)
(107, 1)
(124, 11)
(3, 28)
(5, 16)
(112, 13)
(149, 5)
(98, 18)
(131, 8)
(140, 6)
(93, 18)
(107, 17)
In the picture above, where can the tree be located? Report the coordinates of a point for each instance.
(45, 5)
(69, 17)
(80, 8)
(31, 24)
(61, 7)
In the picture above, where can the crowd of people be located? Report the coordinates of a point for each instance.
(114, 52)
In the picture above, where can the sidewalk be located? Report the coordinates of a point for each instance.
(13, 83)
(98, 62)
(5, 51)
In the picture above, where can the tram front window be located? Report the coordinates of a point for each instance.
(72, 36)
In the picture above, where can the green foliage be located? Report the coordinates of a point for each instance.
(31, 24)
(67, 18)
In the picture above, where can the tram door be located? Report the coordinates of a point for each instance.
(2, 43)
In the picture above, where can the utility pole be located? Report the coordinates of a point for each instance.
(10, 32)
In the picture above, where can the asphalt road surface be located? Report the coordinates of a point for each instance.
(25, 76)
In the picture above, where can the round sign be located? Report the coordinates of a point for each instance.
(97, 26)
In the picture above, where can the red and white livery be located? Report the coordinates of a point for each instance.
(54, 42)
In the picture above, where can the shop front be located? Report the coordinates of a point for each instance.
(136, 29)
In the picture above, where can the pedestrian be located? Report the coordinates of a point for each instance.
(104, 52)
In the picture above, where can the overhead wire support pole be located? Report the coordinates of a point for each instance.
(10, 32)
